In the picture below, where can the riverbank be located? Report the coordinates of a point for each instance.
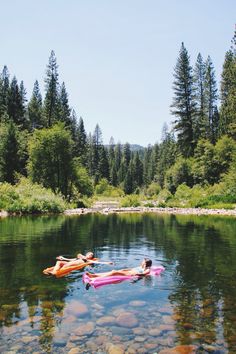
(184, 211)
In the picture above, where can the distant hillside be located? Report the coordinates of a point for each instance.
(133, 147)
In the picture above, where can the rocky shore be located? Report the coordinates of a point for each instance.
(184, 211)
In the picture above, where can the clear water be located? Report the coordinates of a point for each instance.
(191, 304)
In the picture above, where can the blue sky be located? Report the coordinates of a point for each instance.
(115, 56)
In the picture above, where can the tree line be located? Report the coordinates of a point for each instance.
(44, 140)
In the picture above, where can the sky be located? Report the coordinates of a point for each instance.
(116, 57)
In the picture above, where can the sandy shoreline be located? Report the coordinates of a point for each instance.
(184, 211)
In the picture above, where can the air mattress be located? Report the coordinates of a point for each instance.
(113, 279)
(67, 269)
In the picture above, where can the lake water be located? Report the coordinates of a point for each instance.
(191, 306)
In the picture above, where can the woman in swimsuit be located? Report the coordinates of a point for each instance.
(143, 269)
(80, 259)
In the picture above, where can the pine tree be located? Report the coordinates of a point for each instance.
(64, 109)
(81, 142)
(51, 102)
(137, 171)
(4, 92)
(103, 166)
(211, 98)
(16, 109)
(9, 156)
(35, 106)
(199, 91)
(228, 92)
(183, 106)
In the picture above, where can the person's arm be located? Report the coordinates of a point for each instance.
(61, 258)
(98, 262)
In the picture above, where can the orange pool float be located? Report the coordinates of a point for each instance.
(66, 270)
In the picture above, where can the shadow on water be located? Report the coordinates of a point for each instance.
(192, 303)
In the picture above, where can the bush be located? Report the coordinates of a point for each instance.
(26, 197)
(131, 200)
(106, 190)
(153, 189)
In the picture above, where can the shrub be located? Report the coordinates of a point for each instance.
(131, 200)
(26, 197)
(153, 189)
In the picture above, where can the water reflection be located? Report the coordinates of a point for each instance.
(193, 303)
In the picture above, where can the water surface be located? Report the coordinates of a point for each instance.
(192, 303)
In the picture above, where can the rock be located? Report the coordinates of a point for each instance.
(180, 349)
(150, 346)
(120, 331)
(127, 319)
(77, 308)
(106, 320)
(74, 351)
(154, 332)
(85, 329)
(139, 339)
(101, 340)
(115, 349)
(168, 320)
(137, 303)
(139, 331)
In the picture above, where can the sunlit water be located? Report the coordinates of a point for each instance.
(192, 303)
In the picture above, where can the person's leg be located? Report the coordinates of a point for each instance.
(58, 265)
(112, 272)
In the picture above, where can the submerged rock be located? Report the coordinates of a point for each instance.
(127, 319)
(85, 329)
(77, 308)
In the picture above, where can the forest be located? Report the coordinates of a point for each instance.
(48, 162)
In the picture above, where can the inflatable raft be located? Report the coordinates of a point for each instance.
(66, 270)
(113, 279)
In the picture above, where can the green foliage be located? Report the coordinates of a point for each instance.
(26, 197)
(50, 158)
(105, 189)
(83, 182)
(163, 197)
(180, 172)
(153, 189)
(132, 200)
(9, 152)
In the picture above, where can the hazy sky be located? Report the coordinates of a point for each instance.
(115, 56)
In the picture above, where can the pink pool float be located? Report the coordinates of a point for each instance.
(113, 279)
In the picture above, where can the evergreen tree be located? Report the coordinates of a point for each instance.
(81, 142)
(211, 99)
(9, 154)
(183, 106)
(16, 108)
(4, 92)
(200, 100)
(64, 109)
(126, 154)
(103, 166)
(128, 181)
(51, 102)
(228, 92)
(137, 171)
(147, 178)
(35, 112)
(168, 154)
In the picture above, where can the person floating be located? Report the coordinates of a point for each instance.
(65, 265)
(143, 269)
